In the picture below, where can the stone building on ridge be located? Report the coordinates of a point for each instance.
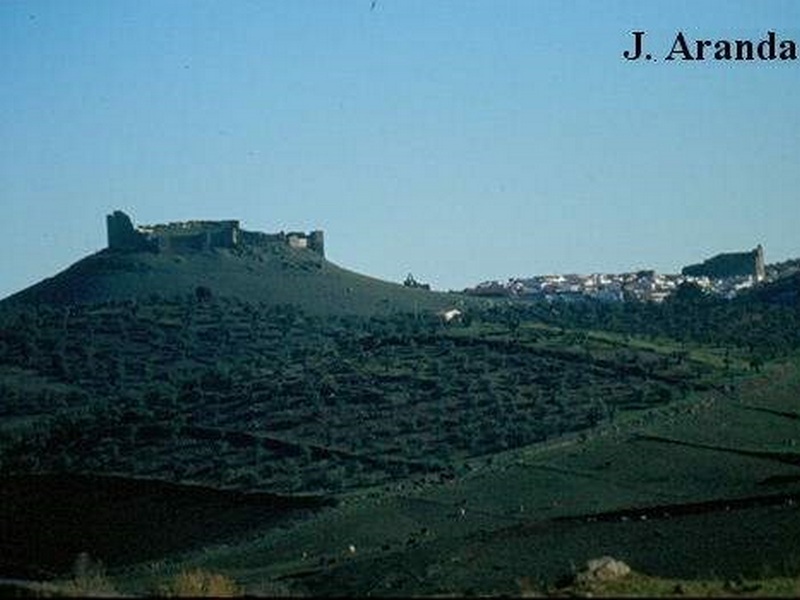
(733, 264)
(198, 236)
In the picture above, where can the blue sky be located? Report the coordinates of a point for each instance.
(457, 140)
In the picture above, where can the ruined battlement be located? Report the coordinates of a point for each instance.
(188, 236)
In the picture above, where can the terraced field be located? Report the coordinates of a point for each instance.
(270, 398)
(533, 516)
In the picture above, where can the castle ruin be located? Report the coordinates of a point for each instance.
(188, 236)
(733, 264)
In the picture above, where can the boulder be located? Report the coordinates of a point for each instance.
(605, 568)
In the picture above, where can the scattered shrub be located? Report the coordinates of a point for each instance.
(201, 583)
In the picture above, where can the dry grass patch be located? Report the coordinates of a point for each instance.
(201, 583)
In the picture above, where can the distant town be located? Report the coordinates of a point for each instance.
(643, 286)
(724, 275)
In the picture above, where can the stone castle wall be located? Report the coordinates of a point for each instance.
(195, 236)
(122, 235)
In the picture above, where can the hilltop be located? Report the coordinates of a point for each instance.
(216, 258)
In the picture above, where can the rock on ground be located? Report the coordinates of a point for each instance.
(605, 568)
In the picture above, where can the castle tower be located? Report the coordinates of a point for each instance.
(760, 270)
(121, 234)
(316, 242)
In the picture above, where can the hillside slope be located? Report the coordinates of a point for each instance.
(273, 276)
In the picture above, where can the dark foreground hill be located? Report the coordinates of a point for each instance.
(277, 275)
(51, 519)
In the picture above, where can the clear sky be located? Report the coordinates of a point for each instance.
(459, 140)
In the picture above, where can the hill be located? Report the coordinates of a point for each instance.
(273, 276)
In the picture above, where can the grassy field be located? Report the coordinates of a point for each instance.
(524, 521)
(532, 514)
